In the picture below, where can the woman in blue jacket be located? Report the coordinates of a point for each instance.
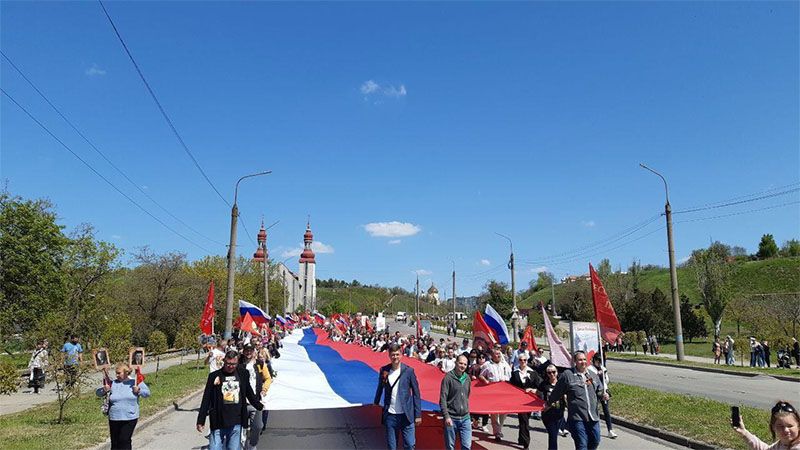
(123, 406)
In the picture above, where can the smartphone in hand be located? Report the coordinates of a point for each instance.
(736, 419)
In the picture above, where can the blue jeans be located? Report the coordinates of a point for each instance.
(586, 435)
(225, 438)
(464, 428)
(395, 423)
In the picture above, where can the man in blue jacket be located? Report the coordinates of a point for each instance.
(402, 407)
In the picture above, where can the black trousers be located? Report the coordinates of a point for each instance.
(121, 433)
(524, 438)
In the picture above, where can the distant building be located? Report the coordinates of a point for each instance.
(574, 278)
(432, 296)
(301, 288)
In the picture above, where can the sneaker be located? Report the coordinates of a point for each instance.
(563, 433)
(485, 428)
(611, 434)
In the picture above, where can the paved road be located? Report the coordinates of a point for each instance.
(356, 428)
(761, 391)
(25, 398)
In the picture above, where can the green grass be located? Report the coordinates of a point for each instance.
(694, 417)
(84, 424)
(794, 373)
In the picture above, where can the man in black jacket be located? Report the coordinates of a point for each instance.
(402, 405)
(225, 405)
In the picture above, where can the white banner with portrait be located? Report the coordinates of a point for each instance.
(586, 337)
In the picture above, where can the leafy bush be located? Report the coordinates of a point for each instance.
(8, 378)
(157, 342)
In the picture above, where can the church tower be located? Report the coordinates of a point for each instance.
(308, 272)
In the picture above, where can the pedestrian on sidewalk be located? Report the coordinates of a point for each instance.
(598, 369)
(528, 380)
(37, 365)
(72, 359)
(123, 405)
(552, 417)
(583, 389)
(784, 424)
(224, 402)
(216, 356)
(496, 371)
(730, 358)
(767, 352)
(796, 351)
(716, 348)
(402, 404)
(454, 403)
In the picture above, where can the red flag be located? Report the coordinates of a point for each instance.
(139, 375)
(368, 325)
(482, 333)
(249, 325)
(528, 337)
(419, 328)
(603, 311)
(207, 321)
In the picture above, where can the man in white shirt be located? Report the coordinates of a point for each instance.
(496, 371)
(465, 347)
(216, 356)
(448, 363)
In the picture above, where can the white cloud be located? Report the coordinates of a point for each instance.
(684, 259)
(540, 269)
(392, 229)
(485, 262)
(588, 223)
(394, 241)
(318, 247)
(95, 70)
(422, 272)
(371, 87)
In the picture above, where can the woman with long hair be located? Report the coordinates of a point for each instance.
(784, 424)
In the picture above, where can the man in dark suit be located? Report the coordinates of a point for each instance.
(402, 407)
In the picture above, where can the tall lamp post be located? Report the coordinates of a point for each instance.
(673, 272)
(514, 310)
(232, 256)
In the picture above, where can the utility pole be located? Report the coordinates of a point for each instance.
(416, 303)
(553, 295)
(232, 257)
(514, 310)
(673, 272)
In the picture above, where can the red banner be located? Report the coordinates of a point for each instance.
(207, 321)
(603, 311)
(482, 333)
(249, 325)
(528, 337)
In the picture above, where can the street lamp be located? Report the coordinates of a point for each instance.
(673, 272)
(232, 256)
(514, 310)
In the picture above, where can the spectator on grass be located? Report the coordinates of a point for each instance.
(72, 359)
(767, 352)
(37, 365)
(123, 405)
(784, 424)
(728, 349)
(716, 349)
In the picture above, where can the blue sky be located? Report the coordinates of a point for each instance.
(456, 120)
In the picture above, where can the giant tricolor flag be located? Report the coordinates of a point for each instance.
(317, 372)
(603, 311)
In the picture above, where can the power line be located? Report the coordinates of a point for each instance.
(99, 152)
(739, 213)
(101, 175)
(739, 202)
(795, 184)
(158, 103)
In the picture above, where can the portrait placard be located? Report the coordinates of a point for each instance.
(101, 359)
(136, 356)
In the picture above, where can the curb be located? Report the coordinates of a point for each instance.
(662, 434)
(708, 369)
(106, 445)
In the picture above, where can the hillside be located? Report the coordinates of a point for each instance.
(751, 277)
(369, 299)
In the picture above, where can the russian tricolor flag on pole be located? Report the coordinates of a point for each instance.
(497, 323)
(280, 319)
(258, 315)
(319, 318)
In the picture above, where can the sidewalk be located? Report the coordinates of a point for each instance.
(699, 359)
(25, 398)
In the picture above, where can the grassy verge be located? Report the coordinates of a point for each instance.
(84, 424)
(794, 373)
(694, 417)
(19, 360)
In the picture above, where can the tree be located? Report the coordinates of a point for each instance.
(767, 248)
(651, 313)
(543, 281)
(713, 279)
(498, 295)
(604, 269)
(157, 342)
(790, 248)
(116, 337)
(32, 246)
(693, 325)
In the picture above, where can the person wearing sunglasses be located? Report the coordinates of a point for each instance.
(479, 421)
(553, 418)
(784, 424)
(528, 380)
